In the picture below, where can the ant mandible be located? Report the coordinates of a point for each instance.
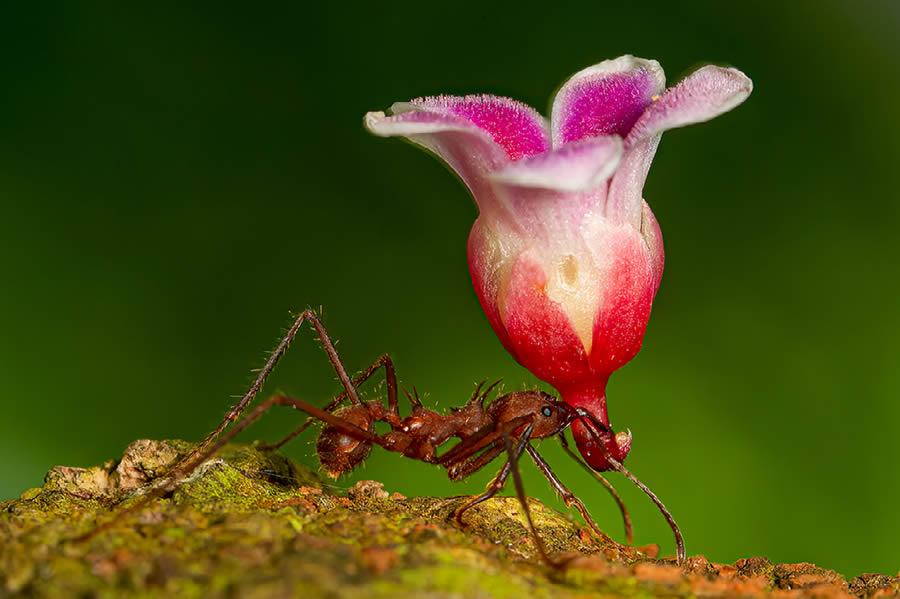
(507, 424)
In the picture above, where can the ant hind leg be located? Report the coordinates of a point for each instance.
(389, 375)
(349, 389)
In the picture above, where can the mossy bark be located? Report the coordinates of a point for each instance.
(251, 523)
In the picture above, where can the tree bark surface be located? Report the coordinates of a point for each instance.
(253, 524)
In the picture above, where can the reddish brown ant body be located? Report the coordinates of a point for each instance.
(507, 424)
(484, 434)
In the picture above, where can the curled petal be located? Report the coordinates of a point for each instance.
(468, 150)
(517, 128)
(703, 95)
(627, 185)
(605, 99)
(578, 166)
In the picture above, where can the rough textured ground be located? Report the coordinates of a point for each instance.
(253, 524)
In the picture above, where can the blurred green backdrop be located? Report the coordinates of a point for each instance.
(174, 180)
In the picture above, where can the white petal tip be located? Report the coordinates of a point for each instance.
(371, 120)
(414, 122)
(730, 85)
(623, 64)
(703, 95)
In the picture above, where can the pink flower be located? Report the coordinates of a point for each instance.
(565, 255)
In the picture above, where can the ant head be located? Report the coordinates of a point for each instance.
(550, 415)
(597, 442)
(339, 451)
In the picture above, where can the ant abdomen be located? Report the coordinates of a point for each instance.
(340, 452)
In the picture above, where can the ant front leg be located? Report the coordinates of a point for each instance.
(570, 499)
(492, 489)
(629, 527)
(595, 426)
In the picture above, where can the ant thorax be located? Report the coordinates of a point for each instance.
(417, 436)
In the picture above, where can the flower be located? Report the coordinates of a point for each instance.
(565, 255)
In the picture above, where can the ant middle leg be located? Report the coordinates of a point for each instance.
(465, 466)
(499, 481)
(520, 492)
(493, 488)
(509, 467)
(570, 499)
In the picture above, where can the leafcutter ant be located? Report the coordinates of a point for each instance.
(507, 425)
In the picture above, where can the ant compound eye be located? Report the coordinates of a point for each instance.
(546, 411)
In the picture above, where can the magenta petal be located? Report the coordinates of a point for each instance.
(464, 147)
(605, 99)
(579, 166)
(519, 129)
(703, 95)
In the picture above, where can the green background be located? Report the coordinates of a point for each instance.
(174, 180)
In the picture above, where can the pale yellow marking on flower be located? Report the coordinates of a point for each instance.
(655, 97)
(569, 270)
(572, 284)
